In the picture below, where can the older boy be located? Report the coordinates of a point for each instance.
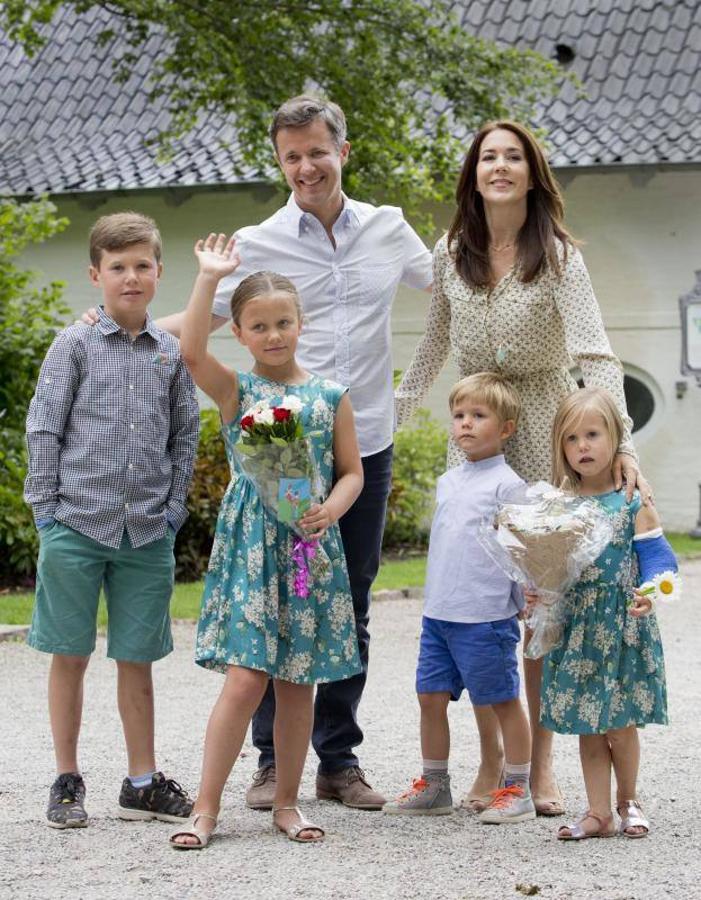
(112, 435)
(470, 626)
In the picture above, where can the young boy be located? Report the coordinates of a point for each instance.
(112, 435)
(470, 627)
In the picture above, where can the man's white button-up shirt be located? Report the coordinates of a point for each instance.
(346, 293)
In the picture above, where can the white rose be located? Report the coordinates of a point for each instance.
(263, 417)
(294, 404)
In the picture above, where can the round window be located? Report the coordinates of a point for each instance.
(640, 401)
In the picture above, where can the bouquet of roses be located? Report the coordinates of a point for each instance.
(544, 538)
(276, 455)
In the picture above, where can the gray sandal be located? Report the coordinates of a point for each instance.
(632, 817)
(190, 829)
(294, 831)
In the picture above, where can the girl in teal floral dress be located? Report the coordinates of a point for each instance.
(253, 624)
(606, 679)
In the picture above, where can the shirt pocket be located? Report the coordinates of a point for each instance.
(375, 285)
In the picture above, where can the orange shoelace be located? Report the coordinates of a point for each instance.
(503, 796)
(417, 785)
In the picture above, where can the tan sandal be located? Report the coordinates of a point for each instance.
(294, 831)
(632, 816)
(549, 806)
(477, 803)
(190, 829)
(577, 832)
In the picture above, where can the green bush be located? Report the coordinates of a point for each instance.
(419, 458)
(29, 320)
(209, 481)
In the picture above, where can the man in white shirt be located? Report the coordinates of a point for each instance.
(347, 259)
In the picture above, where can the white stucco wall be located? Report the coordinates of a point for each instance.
(641, 242)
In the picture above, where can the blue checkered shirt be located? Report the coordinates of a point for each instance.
(112, 433)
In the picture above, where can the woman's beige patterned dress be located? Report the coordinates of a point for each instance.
(533, 334)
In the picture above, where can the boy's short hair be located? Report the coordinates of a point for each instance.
(302, 110)
(491, 389)
(120, 230)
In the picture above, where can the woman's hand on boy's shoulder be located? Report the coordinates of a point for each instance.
(217, 256)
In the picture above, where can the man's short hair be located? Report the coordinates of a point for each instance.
(491, 389)
(120, 230)
(300, 111)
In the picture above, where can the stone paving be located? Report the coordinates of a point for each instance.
(366, 855)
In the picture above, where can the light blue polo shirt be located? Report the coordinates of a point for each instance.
(463, 584)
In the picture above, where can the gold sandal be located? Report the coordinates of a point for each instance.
(190, 829)
(577, 831)
(294, 831)
(632, 817)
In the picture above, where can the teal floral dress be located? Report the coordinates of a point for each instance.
(250, 615)
(609, 670)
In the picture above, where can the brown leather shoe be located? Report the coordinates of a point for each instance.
(350, 788)
(261, 793)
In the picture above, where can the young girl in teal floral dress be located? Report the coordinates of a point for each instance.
(607, 677)
(254, 625)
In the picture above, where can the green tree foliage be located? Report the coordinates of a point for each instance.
(407, 75)
(29, 318)
(419, 458)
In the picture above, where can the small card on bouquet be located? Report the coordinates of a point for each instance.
(294, 499)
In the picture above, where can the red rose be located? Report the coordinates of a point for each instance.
(247, 422)
(280, 414)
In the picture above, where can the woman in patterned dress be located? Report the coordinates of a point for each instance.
(254, 623)
(511, 294)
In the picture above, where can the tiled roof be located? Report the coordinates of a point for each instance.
(639, 62)
(65, 126)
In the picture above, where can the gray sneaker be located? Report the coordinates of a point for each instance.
(66, 798)
(509, 805)
(261, 793)
(426, 797)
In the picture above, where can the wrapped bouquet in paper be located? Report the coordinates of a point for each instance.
(544, 538)
(276, 455)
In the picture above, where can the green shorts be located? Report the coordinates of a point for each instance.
(138, 583)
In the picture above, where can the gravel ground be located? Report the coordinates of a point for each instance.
(365, 854)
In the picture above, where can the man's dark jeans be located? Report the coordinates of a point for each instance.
(336, 729)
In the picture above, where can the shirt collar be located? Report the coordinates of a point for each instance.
(298, 218)
(489, 463)
(107, 325)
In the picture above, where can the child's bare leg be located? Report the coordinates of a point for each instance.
(226, 730)
(544, 787)
(517, 734)
(292, 731)
(435, 730)
(135, 702)
(491, 752)
(625, 755)
(595, 754)
(66, 708)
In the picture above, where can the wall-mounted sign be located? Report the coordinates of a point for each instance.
(690, 309)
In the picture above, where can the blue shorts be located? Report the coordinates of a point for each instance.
(477, 656)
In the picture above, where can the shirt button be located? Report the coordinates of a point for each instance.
(131, 387)
(131, 466)
(126, 506)
(131, 425)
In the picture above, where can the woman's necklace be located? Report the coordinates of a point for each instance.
(501, 249)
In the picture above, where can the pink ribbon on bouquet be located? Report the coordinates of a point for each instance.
(303, 552)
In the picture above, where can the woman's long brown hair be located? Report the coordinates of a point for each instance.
(468, 236)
